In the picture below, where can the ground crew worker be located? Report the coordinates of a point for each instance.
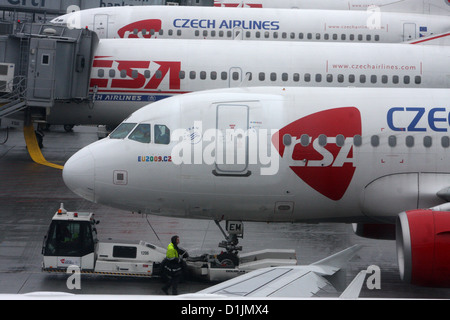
(172, 266)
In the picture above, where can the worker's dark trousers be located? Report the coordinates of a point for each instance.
(172, 282)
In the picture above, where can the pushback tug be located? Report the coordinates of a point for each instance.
(72, 240)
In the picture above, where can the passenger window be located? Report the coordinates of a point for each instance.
(170, 32)
(384, 79)
(182, 75)
(409, 141)
(273, 76)
(392, 141)
(112, 73)
(284, 76)
(357, 140)
(197, 33)
(134, 74)
(395, 79)
(262, 76)
(178, 32)
(322, 140)
(307, 77)
(292, 35)
(329, 78)
(427, 141)
(275, 35)
(300, 35)
(368, 37)
(235, 76)
(373, 79)
(122, 130)
(221, 34)
(343, 36)
(296, 77)
(123, 73)
(229, 34)
(362, 78)
(340, 140)
(162, 134)
(266, 34)
(375, 141)
(247, 34)
(213, 75)
(224, 75)
(445, 141)
(318, 77)
(351, 78)
(360, 37)
(205, 33)
(202, 75)
(317, 36)
(326, 36)
(158, 74)
(141, 133)
(340, 78)
(192, 75)
(100, 73)
(377, 37)
(418, 79)
(161, 32)
(147, 74)
(352, 37)
(335, 36)
(406, 79)
(304, 140)
(45, 59)
(309, 36)
(258, 34)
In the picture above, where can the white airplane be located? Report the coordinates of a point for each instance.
(130, 73)
(169, 22)
(370, 156)
(407, 6)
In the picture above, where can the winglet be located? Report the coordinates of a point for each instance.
(354, 288)
(436, 39)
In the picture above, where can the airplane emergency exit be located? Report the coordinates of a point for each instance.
(279, 154)
(168, 22)
(127, 74)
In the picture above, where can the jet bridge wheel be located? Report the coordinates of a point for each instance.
(228, 260)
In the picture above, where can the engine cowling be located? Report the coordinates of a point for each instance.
(423, 247)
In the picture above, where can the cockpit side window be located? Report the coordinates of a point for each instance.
(162, 134)
(141, 133)
(122, 131)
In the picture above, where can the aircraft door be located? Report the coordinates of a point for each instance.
(232, 140)
(43, 69)
(409, 31)
(101, 25)
(235, 77)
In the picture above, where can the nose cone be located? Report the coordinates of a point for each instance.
(79, 174)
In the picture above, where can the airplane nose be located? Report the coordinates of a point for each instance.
(79, 174)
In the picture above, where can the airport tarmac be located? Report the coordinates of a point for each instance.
(31, 193)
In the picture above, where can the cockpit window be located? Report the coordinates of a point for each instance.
(122, 131)
(162, 134)
(141, 133)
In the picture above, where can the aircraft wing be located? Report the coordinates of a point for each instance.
(285, 282)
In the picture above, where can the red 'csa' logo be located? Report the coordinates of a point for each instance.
(136, 29)
(321, 149)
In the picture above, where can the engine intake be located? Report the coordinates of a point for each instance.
(423, 247)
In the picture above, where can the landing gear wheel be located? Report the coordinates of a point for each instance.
(228, 260)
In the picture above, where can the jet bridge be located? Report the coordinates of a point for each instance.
(40, 65)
